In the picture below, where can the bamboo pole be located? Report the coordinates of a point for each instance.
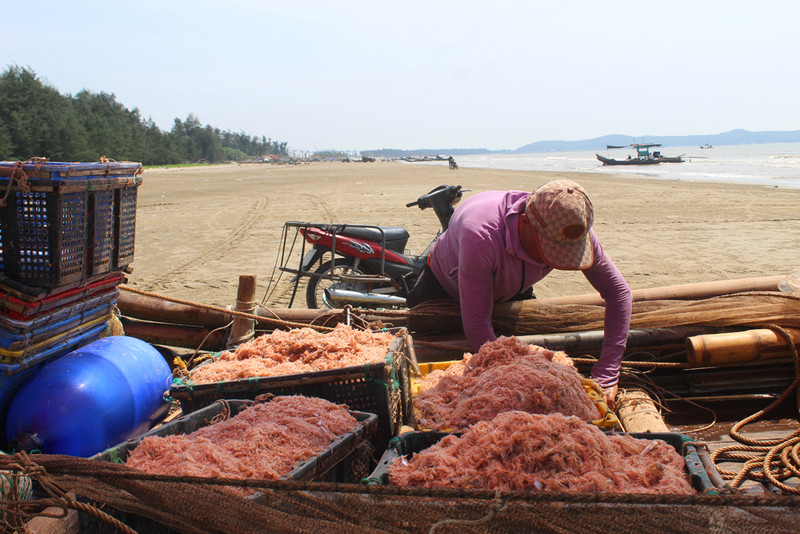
(242, 329)
(638, 413)
(172, 335)
(154, 309)
(735, 347)
(50, 523)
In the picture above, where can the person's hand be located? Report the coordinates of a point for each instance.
(609, 394)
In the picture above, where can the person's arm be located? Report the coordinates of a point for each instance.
(476, 294)
(606, 278)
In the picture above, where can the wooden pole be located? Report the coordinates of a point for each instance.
(734, 347)
(243, 328)
(638, 413)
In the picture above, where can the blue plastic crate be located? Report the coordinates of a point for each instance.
(17, 326)
(14, 355)
(15, 341)
(66, 223)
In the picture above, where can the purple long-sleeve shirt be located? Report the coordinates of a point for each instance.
(480, 262)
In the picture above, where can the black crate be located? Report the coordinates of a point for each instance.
(413, 442)
(330, 465)
(125, 226)
(381, 388)
(61, 222)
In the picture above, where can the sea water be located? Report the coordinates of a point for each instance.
(775, 164)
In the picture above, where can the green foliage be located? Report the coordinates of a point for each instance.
(234, 154)
(37, 121)
(330, 154)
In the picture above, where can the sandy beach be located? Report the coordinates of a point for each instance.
(198, 229)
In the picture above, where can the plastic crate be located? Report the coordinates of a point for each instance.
(12, 326)
(20, 341)
(321, 466)
(413, 442)
(19, 306)
(13, 375)
(59, 224)
(30, 350)
(381, 388)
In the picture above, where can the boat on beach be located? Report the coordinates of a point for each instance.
(643, 156)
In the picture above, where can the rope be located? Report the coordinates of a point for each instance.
(765, 467)
(59, 498)
(18, 175)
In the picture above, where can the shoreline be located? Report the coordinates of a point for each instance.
(199, 228)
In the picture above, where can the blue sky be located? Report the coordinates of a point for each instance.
(357, 75)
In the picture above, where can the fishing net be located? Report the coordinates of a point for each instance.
(751, 309)
(114, 498)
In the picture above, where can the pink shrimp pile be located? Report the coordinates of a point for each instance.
(264, 440)
(523, 451)
(301, 350)
(506, 374)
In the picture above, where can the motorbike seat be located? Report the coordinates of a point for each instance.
(396, 236)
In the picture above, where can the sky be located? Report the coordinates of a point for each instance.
(361, 75)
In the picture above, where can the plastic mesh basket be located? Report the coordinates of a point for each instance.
(64, 223)
(381, 388)
(411, 443)
(329, 465)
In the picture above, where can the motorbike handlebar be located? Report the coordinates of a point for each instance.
(441, 199)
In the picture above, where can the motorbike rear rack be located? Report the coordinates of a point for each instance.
(289, 239)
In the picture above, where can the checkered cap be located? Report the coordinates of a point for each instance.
(562, 215)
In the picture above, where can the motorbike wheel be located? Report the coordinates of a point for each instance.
(315, 292)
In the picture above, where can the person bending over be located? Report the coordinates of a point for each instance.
(500, 243)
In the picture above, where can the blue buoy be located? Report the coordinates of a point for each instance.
(93, 398)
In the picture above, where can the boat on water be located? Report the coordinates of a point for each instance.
(643, 156)
(707, 145)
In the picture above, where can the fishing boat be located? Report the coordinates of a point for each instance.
(643, 156)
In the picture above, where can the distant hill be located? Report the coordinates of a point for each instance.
(733, 137)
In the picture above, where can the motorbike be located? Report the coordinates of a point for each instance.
(363, 265)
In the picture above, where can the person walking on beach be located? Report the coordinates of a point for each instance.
(500, 243)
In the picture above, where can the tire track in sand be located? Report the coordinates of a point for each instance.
(219, 249)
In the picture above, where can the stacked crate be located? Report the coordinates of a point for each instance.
(66, 237)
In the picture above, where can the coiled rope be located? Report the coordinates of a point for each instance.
(772, 460)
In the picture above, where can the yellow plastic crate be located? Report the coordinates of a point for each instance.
(608, 419)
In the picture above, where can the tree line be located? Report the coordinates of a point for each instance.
(38, 121)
